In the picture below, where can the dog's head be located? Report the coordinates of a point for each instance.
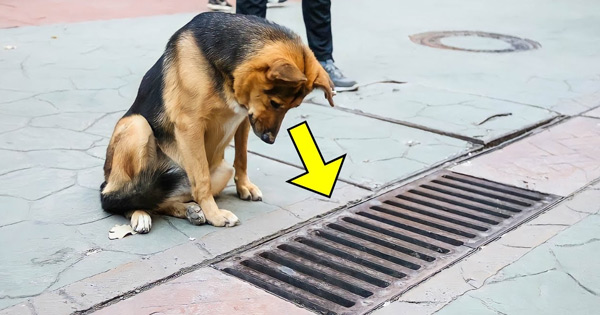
(276, 80)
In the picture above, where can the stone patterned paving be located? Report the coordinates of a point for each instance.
(475, 117)
(407, 150)
(558, 160)
(558, 277)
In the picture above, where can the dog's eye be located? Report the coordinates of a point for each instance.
(275, 104)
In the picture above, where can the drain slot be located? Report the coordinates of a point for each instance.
(316, 274)
(352, 258)
(459, 203)
(447, 209)
(361, 275)
(381, 242)
(396, 235)
(352, 261)
(427, 213)
(483, 193)
(497, 187)
(303, 283)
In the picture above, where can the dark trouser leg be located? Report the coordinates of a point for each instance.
(252, 7)
(317, 19)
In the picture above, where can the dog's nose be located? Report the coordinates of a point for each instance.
(250, 116)
(268, 137)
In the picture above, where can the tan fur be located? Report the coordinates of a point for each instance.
(131, 148)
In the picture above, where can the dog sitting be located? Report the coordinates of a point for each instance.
(219, 75)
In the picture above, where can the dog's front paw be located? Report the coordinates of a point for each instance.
(194, 214)
(141, 221)
(248, 191)
(222, 218)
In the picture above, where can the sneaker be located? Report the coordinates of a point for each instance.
(275, 3)
(341, 82)
(220, 5)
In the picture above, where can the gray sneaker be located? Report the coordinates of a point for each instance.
(341, 82)
(220, 5)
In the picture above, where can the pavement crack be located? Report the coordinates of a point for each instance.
(88, 222)
(580, 244)
(521, 276)
(9, 224)
(177, 229)
(590, 291)
(486, 305)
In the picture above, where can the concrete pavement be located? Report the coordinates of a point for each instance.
(64, 86)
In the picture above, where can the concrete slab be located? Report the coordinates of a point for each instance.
(558, 160)
(407, 150)
(479, 118)
(205, 291)
(594, 113)
(551, 279)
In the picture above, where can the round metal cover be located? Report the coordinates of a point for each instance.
(512, 43)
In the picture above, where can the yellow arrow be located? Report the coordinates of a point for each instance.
(320, 177)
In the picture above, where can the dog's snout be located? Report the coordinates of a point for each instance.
(268, 137)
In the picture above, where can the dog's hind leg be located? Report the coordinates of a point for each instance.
(131, 171)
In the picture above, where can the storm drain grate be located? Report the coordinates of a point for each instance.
(351, 262)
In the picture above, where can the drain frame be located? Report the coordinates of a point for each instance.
(354, 260)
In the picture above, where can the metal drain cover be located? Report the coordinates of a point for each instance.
(513, 43)
(355, 260)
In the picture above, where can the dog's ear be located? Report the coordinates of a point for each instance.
(323, 82)
(283, 70)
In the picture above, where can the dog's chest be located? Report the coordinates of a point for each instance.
(229, 125)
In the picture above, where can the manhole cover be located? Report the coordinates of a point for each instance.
(353, 261)
(474, 41)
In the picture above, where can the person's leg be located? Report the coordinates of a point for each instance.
(252, 7)
(317, 20)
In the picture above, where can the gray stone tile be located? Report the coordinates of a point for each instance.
(557, 277)
(71, 121)
(13, 210)
(31, 138)
(72, 206)
(162, 236)
(10, 123)
(64, 159)
(407, 150)
(29, 107)
(91, 178)
(18, 161)
(35, 183)
(105, 126)
(476, 117)
(36, 256)
(94, 261)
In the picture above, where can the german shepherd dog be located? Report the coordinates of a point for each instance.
(220, 74)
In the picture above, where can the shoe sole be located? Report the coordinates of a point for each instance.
(276, 5)
(346, 88)
(216, 7)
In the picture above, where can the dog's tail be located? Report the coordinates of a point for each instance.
(145, 192)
